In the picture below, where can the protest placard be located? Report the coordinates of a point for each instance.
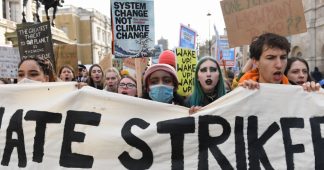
(245, 129)
(225, 55)
(186, 63)
(66, 54)
(187, 37)
(35, 41)
(133, 28)
(130, 63)
(245, 19)
(9, 60)
(106, 62)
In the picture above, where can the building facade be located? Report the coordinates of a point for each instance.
(10, 15)
(164, 43)
(89, 29)
(310, 45)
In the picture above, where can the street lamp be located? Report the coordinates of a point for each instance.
(209, 51)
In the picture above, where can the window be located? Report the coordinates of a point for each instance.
(64, 29)
(104, 36)
(98, 33)
(4, 9)
(14, 14)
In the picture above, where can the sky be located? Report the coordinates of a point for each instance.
(169, 14)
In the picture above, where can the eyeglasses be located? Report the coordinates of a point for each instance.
(128, 85)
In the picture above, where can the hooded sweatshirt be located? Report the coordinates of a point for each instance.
(254, 75)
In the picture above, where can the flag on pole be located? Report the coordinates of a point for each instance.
(216, 41)
(216, 32)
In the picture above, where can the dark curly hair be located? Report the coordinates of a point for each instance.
(45, 65)
(269, 40)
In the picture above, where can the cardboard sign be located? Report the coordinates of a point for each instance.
(245, 19)
(66, 54)
(9, 60)
(35, 41)
(186, 63)
(133, 28)
(245, 129)
(106, 62)
(130, 63)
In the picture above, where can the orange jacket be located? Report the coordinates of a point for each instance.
(254, 75)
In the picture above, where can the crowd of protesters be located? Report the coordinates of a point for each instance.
(268, 63)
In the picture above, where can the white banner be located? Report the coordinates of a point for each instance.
(55, 126)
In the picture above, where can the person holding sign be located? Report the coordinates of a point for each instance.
(269, 52)
(35, 69)
(66, 73)
(208, 84)
(161, 84)
(127, 85)
(112, 79)
(96, 77)
(297, 71)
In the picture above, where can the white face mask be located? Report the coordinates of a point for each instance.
(26, 80)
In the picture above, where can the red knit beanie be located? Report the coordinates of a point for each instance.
(168, 57)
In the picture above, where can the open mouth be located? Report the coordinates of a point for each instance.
(209, 81)
(300, 82)
(66, 79)
(277, 75)
(124, 92)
